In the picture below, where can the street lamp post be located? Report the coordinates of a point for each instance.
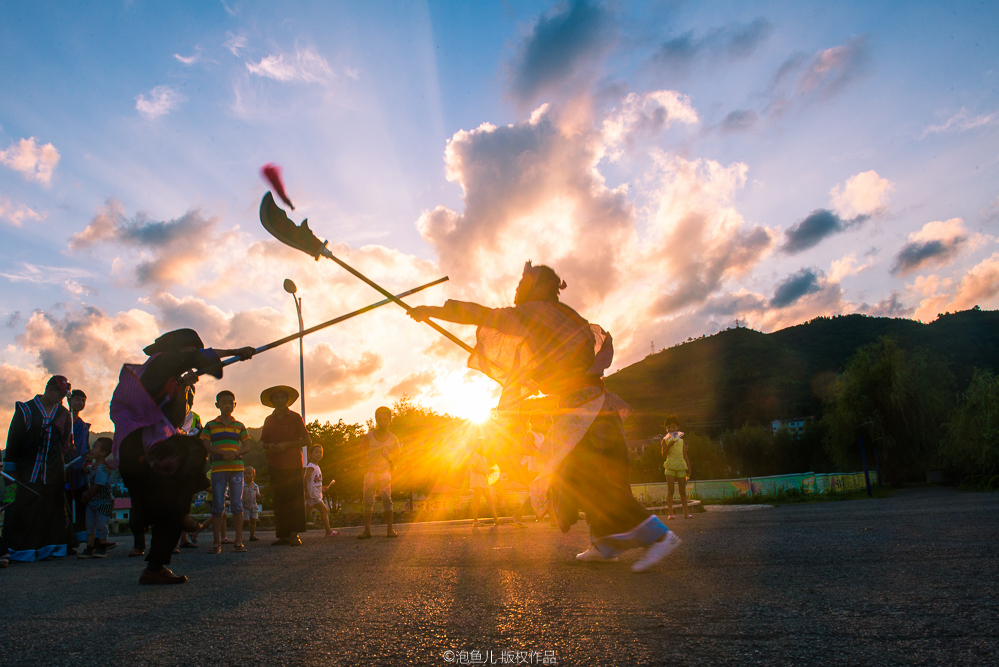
(292, 289)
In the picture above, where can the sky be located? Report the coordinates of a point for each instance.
(681, 165)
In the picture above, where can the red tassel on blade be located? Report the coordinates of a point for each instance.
(272, 173)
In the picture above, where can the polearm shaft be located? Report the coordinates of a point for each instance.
(25, 486)
(381, 290)
(329, 323)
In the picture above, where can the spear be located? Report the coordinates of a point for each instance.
(328, 323)
(300, 237)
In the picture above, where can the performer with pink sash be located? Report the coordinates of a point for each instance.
(161, 465)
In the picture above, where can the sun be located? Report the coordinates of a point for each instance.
(470, 397)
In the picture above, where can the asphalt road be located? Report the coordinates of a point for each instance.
(911, 579)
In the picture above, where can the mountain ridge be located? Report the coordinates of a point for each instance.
(738, 375)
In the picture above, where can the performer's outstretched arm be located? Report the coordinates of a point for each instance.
(459, 312)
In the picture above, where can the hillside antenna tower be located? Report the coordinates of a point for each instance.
(652, 346)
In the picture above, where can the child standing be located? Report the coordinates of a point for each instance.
(478, 480)
(226, 440)
(100, 502)
(314, 488)
(677, 465)
(250, 494)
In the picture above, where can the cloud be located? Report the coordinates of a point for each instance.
(15, 215)
(83, 343)
(795, 286)
(863, 194)
(191, 59)
(560, 47)
(235, 43)
(739, 120)
(704, 240)
(817, 225)
(801, 79)
(37, 163)
(848, 266)
(733, 42)
(855, 202)
(170, 250)
(308, 66)
(413, 384)
(979, 286)
(50, 275)
(229, 10)
(936, 244)
(890, 307)
(990, 213)
(532, 190)
(162, 99)
(961, 122)
(639, 117)
(334, 380)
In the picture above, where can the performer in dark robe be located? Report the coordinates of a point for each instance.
(161, 464)
(543, 345)
(41, 432)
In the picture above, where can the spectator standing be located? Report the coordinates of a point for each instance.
(76, 475)
(250, 494)
(226, 440)
(314, 489)
(100, 502)
(41, 433)
(381, 446)
(677, 465)
(283, 436)
(478, 480)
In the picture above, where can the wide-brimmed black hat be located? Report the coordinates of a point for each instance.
(173, 341)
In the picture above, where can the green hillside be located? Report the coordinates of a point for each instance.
(740, 375)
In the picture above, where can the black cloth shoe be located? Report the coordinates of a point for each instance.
(164, 576)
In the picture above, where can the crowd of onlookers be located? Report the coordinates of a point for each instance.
(49, 449)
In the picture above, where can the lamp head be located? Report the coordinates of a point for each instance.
(289, 286)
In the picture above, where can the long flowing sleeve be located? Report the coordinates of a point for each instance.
(15, 437)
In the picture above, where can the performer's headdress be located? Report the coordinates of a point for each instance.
(174, 341)
(59, 381)
(265, 395)
(543, 281)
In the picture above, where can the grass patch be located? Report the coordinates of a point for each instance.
(793, 496)
(980, 483)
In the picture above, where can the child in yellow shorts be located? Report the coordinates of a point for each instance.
(677, 465)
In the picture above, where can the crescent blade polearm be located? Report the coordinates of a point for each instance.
(328, 323)
(300, 237)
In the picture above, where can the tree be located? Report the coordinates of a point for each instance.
(898, 401)
(972, 440)
(747, 450)
(707, 458)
